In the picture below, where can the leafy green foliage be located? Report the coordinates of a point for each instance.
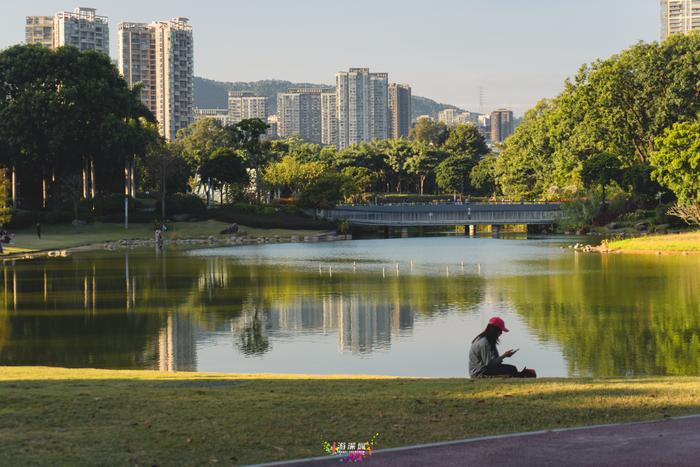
(676, 161)
(619, 106)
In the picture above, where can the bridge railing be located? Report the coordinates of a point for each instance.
(377, 216)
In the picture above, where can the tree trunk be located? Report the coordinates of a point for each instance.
(93, 188)
(15, 201)
(162, 196)
(422, 181)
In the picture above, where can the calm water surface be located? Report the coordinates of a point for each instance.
(397, 307)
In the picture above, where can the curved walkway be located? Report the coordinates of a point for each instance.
(670, 442)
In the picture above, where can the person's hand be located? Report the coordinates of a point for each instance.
(508, 353)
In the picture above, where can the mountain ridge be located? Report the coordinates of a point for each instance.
(211, 94)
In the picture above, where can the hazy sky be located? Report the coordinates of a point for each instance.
(518, 50)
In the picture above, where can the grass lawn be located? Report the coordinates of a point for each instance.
(68, 235)
(689, 241)
(85, 417)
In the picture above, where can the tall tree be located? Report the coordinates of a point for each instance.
(676, 161)
(429, 132)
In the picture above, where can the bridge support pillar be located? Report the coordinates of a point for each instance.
(387, 232)
(495, 230)
(471, 229)
(404, 232)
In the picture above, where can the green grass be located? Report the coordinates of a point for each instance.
(55, 416)
(67, 236)
(689, 241)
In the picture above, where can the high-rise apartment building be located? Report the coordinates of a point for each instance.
(329, 118)
(82, 29)
(362, 106)
(679, 17)
(299, 113)
(501, 125)
(449, 116)
(244, 105)
(160, 56)
(220, 115)
(399, 110)
(39, 30)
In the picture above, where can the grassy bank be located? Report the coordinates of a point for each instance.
(67, 235)
(88, 417)
(682, 242)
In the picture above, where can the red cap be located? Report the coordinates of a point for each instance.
(498, 322)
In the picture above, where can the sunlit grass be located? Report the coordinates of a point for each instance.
(87, 417)
(689, 241)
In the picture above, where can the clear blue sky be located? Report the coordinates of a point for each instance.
(518, 50)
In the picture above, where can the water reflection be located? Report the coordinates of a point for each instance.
(615, 315)
(590, 314)
(138, 310)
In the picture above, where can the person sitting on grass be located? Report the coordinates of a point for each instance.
(484, 360)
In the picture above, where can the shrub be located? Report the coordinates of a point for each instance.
(185, 204)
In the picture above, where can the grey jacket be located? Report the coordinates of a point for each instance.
(482, 355)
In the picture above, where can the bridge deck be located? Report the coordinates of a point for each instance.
(445, 214)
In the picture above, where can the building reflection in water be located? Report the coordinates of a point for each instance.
(363, 325)
(177, 349)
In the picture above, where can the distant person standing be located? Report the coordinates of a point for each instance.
(159, 238)
(38, 230)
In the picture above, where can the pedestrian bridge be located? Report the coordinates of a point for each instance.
(444, 214)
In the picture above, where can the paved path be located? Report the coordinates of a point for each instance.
(671, 442)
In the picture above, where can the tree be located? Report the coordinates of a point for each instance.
(326, 191)
(165, 171)
(398, 152)
(676, 161)
(225, 167)
(423, 161)
(483, 175)
(600, 170)
(196, 144)
(619, 106)
(64, 112)
(246, 136)
(466, 139)
(290, 174)
(429, 132)
(453, 172)
(360, 182)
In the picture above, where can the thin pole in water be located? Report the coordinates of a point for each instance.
(383, 272)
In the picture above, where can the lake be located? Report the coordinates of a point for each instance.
(406, 307)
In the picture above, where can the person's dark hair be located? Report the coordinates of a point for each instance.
(491, 333)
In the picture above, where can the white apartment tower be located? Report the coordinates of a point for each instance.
(299, 113)
(244, 105)
(329, 119)
(679, 17)
(362, 105)
(82, 29)
(160, 56)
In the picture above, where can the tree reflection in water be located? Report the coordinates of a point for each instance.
(615, 315)
(138, 310)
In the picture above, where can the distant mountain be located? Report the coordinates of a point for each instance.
(210, 94)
